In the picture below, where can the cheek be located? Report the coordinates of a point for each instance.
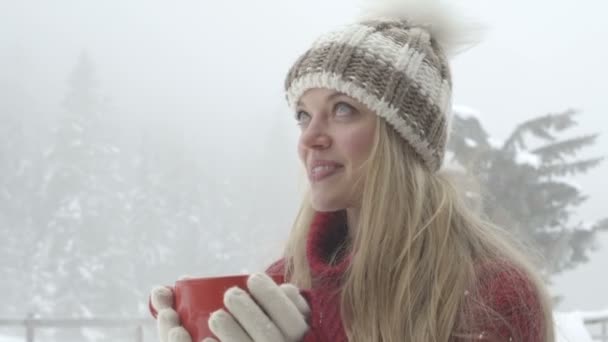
(359, 144)
(301, 153)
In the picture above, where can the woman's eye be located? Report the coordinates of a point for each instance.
(342, 109)
(301, 117)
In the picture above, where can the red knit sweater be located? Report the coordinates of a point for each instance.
(502, 288)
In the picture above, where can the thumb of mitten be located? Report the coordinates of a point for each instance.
(161, 298)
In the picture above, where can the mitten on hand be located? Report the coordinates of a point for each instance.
(167, 321)
(272, 313)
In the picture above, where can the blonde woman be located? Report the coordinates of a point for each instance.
(383, 247)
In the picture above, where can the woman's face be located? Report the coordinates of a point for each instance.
(337, 133)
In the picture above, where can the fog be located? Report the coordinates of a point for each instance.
(201, 83)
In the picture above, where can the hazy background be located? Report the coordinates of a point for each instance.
(207, 77)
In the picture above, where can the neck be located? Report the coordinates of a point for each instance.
(352, 219)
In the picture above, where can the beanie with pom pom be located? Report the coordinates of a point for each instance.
(393, 59)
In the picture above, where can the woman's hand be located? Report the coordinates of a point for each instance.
(272, 313)
(167, 321)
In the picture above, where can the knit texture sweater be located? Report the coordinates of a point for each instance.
(504, 290)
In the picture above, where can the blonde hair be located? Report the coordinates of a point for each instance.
(415, 253)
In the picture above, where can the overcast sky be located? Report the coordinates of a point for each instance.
(223, 62)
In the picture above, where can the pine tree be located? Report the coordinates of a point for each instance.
(82, 197)
(22, 143)
(526, 182)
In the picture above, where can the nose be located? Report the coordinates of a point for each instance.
(315, 135)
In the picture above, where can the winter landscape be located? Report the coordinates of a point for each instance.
(144, 140)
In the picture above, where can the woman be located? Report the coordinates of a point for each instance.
(383, 247)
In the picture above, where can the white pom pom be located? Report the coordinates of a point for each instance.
(446, 25)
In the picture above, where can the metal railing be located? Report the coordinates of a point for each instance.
(597, 323)
(31, 325)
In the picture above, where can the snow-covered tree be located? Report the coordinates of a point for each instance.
(21, 153)
(527, 182)
(81, 199)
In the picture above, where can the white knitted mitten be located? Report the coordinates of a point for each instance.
(272, 313)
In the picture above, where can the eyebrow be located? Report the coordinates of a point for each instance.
(330, 97)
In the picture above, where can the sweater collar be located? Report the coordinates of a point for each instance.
(328, 232)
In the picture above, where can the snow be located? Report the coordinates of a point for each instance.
(466, 112)
(570, 327)
(86, 313)
(586, 226)
(568, 181)
(85, 273)
(50, 288)
(11, 339)
(48, 175)
(69, 245)
(74, 207)
(470, 142)
(495, 143)
(93, 334)
(453, 166)
(525, 157)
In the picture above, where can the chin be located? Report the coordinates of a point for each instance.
(327, 205)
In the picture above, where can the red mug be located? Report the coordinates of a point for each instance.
(195, 299)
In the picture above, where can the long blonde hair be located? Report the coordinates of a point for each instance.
(416, 249)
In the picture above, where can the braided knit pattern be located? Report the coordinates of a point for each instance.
(395, 69)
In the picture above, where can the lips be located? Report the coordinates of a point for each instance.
(321, 169)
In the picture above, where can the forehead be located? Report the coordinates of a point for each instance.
(319, 95)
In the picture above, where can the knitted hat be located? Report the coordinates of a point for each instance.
(393, 60)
